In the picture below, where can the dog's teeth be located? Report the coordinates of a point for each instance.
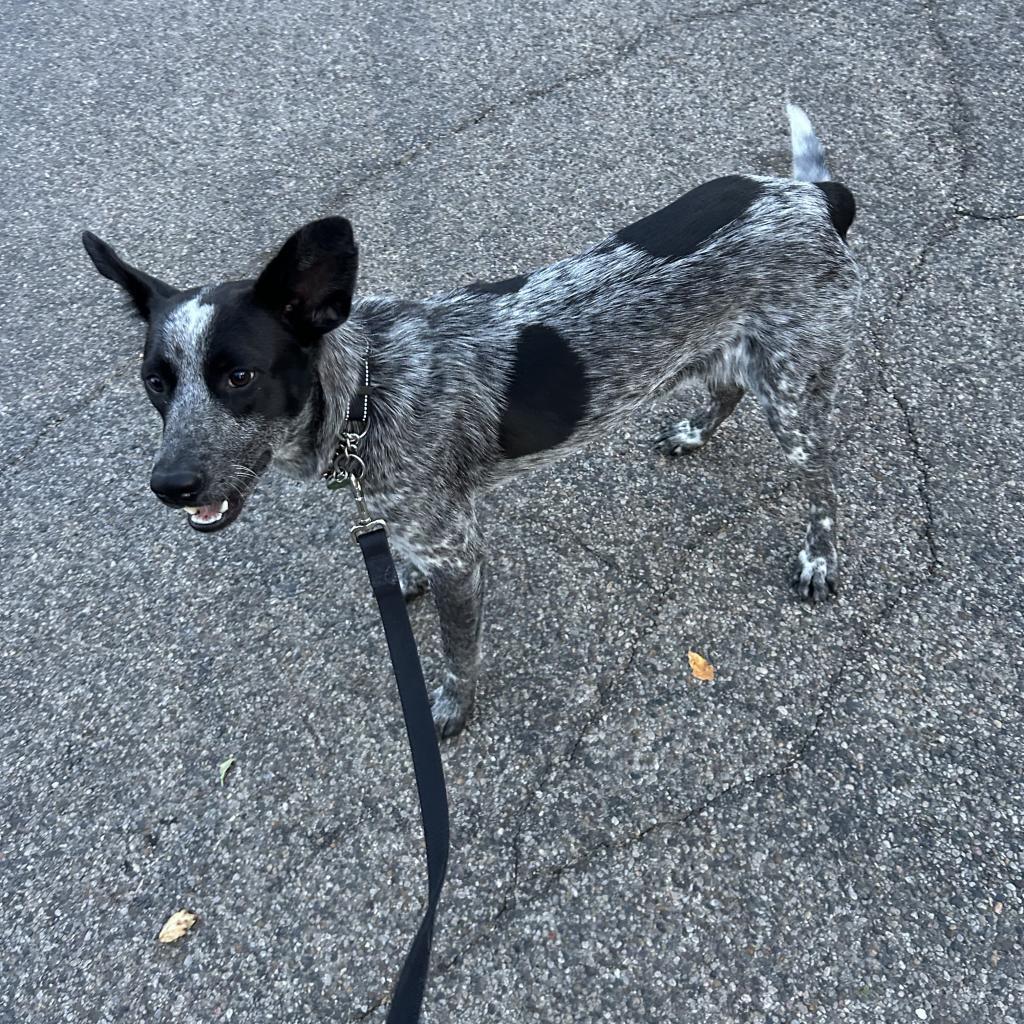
(223, 507)
(191, 509)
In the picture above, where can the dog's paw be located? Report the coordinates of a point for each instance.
(681, 439)
(415, 588)
(413, 582)
(816, 573)
(449, 712)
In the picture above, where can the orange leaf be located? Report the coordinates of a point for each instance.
(701, 667)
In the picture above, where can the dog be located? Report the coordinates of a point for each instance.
(745, 283)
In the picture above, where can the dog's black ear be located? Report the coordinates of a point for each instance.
(310, 282)
(142, 288)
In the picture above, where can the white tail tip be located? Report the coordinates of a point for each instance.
(808, 153)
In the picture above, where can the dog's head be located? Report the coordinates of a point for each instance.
(231, 367)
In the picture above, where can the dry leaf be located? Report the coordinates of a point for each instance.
(176, 926)
(701, 667)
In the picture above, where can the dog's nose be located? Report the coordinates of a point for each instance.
(176, 486)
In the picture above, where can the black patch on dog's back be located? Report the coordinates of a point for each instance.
(682, 227)
(547, 394)
(504, 287)
(842, 207)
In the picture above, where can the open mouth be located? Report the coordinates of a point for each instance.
(215, 516)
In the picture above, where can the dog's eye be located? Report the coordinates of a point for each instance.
(240, 378)
(154, 382)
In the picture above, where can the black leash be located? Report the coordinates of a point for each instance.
(426, 761)
(372, 537)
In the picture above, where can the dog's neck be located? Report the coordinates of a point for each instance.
(395, 377)
(339, 374)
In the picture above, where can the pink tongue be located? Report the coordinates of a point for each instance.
(207, 513)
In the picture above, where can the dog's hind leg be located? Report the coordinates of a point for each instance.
(690, 434)
(800, 419)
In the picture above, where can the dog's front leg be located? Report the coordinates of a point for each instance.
(458, 589)
(446, 548)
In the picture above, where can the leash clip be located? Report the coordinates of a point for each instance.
(348, 468)
(364, 522)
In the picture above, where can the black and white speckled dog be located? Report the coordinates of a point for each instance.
(745, 283)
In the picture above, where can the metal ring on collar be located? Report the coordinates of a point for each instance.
(354, 466)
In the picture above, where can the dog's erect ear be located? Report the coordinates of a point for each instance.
(310, 282)
(142, 288)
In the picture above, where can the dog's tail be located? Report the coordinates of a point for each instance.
(808, 152)
(809, 165)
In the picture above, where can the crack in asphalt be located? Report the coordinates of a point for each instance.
(940, 233)
(567, 758)
(604, 697)
(609, 61)
(550, 877)
(510, 899)
(984, 215)
(514, 899)
(375, 1004)
(960, 118)
(599, 556)
(923, 468)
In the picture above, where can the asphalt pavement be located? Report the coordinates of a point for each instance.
(830, 831)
